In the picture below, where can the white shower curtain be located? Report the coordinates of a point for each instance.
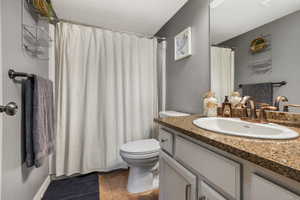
(106, 96)
(222, 72)
(161, 66)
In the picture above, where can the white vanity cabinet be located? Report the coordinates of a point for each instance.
(176, 182)
(193, 170)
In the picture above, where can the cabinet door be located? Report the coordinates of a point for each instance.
(208, 193)
(262, 189)
(176, 182)
(219, 170)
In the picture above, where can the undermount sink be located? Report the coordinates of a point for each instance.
(238, 127)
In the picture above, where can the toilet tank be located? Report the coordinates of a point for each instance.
(164, 114)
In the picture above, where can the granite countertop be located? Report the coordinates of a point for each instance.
(279, 156)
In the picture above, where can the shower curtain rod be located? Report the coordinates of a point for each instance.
(126, 32)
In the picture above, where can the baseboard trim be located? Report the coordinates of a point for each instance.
(39, 195)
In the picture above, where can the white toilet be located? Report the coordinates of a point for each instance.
(142, 158)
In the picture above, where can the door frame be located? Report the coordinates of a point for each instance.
(1, 96)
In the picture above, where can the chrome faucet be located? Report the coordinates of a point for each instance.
(278, 100)
(247, 99)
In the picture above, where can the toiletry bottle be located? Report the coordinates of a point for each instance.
(210, 105)
(235, 99)
(226, 108)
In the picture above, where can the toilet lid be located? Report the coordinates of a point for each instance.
(141, 147)
(170, 113)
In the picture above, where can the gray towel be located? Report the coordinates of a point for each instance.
(262, 92)
(27, 103)
(43, 119)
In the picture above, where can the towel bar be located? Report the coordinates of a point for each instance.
(275, 84)
(12, 74)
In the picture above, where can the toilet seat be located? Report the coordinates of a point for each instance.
(141, 148)
(140, 156)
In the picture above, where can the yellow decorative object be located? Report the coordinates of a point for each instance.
(258, 45)
(210, 105)
(44, 8)
(41, 6)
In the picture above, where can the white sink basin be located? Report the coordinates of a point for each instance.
(237, 127)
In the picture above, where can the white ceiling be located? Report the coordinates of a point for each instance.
(138, 16)
(234, 17)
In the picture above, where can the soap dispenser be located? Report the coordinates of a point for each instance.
(226, 108)
(210, 105)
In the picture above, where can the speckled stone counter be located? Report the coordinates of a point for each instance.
(280, 156)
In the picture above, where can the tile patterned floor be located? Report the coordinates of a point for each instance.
(113, 187)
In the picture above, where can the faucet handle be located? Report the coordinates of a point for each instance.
(278, 99)
(281, 98)
(251, 101)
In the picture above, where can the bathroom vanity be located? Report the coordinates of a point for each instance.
(196, 164)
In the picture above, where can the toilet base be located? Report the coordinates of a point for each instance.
(141, 179)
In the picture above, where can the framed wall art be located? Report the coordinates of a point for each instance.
(183, 44)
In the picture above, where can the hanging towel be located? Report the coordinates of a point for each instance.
(262, 92)
(27, 120)
(43, 119)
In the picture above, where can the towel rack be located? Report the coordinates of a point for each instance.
(12, 74)
(275, 84)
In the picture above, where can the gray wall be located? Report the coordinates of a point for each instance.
(189, 78)
(18, 182)
(285, 50)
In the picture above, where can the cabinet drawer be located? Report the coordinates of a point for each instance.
(262, 189)
(166, 141)
(219, 170)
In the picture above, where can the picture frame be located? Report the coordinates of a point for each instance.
(183, 44)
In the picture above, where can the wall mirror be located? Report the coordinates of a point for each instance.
(255, 50)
